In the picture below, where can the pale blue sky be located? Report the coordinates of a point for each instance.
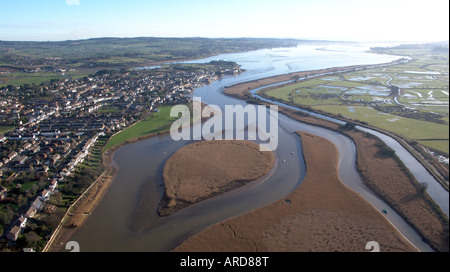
(363, 20)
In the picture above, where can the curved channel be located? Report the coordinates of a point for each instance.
(138, 182)
(434, 188)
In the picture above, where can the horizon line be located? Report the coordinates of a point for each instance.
(212, 38)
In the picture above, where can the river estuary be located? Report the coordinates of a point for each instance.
(126, 219)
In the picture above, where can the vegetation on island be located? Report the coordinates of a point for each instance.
(58, 130)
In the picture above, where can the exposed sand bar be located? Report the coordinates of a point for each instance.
(80, 211)
(385, 176)
(322, 214)
(207, 168)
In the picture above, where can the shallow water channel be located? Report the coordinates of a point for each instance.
(127, 220)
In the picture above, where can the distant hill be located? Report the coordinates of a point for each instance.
(442, 46)
(124, 51)
(37, 62)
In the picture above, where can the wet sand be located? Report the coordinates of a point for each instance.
(421, 215)
(322, 214)
(385, 176)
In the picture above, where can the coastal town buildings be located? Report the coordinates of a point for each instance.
(51, 129)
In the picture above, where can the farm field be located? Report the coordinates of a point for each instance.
(38, 62)
(409, 99)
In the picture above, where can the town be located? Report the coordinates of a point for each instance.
(49, 130)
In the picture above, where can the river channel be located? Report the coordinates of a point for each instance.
(126, 219)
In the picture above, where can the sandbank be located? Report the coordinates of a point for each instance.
(207, 168)
(322, 214)
(384, 175)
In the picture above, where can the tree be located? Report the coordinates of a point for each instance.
(386, 151)
(423, 188)
(52, 221)
(32, 238)
(348, 126)
(34, 188)
(4, 219)
(21, 242)
(9, 212)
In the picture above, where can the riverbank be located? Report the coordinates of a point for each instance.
(431, 163)
(384, 174)
(82, 208)
(241, 90)
(322, 214)
(294, 114)
(204, 169)
(80, 211)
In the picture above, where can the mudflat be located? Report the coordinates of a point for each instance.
(384, 175)
(322, 214)
(208, 168)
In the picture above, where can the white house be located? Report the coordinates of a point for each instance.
(45, 195)
(22, 222)
(53, 185)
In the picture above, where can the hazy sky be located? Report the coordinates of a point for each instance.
(361, 20)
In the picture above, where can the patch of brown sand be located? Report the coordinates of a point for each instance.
(386, 176)
(322, 214)
(208, 168)
(79, 212)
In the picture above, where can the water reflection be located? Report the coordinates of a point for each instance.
(127, 220)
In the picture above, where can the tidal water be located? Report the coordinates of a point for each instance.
(127, 220)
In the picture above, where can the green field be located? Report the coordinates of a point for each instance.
(438, 145)
(18, 59)
(4, 129)
(108, 110)
(18, 79)
(420, 112)
(284, 92)
(156, 122)
(410, 128)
